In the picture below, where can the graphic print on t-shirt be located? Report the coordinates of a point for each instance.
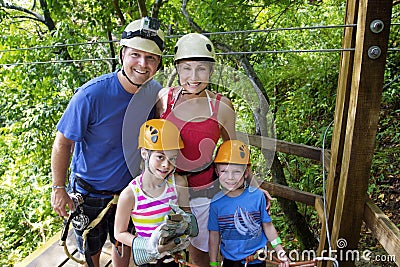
(246, 223)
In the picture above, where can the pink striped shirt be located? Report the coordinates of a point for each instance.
(150, 212)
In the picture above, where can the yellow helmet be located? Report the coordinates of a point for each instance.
(194, 45)
(233, 151)
(145, 35)
(159, 134)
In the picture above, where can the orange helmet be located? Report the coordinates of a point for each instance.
(233, 151)
(159, 134)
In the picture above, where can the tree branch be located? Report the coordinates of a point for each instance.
(47, 17)
(120, 15)
(190, 21)
(156, 8)
(36, 16)
(142, 8)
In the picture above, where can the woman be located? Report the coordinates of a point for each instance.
(202, 117)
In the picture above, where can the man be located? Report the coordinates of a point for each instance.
(94, 131)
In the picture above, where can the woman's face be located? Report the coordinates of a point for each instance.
(194, 75)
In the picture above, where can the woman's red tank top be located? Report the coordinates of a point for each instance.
(200, 139)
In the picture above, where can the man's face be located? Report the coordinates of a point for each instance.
(138, 65)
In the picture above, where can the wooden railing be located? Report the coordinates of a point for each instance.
(382, 228)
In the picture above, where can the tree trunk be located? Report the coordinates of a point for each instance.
(296, 219)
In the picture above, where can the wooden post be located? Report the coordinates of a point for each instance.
(341, 109)
(362, 102)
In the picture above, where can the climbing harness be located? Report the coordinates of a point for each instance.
(86, 231)
(178, 259)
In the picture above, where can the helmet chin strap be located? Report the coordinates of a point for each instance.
(184, 92)
(126, 76)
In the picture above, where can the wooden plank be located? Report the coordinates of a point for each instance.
(362, 120)
(383, 229)
(304, 151)
(290, 193)
(51, 253)
(340, 119)
(319, 207)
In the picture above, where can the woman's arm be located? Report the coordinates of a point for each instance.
(126, 202)
(161, 104)
(227, 119)
(183, 192)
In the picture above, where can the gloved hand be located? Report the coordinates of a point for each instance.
(179, 224)
(192, 229)
(145, 250)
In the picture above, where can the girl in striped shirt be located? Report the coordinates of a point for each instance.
(146, 199)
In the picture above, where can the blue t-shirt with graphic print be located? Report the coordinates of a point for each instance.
(103, 120)
(239, 222)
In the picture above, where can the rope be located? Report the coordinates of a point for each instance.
(71, 256)
(86, 231)
(98, 219)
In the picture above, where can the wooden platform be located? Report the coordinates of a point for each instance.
(52, 254)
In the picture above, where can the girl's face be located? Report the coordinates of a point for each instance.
(231, 176)
(194, 75)
(162, 163)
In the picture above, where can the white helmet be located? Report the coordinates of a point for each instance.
(194, 45)
(145, 35)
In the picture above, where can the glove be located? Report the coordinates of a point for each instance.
(180, 224)
(192, 228)
(145, 250)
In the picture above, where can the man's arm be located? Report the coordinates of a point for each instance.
(60, 158)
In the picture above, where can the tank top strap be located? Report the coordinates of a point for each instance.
(135, 186)
(216, 106)
(170, 100)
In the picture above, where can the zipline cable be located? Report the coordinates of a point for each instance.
(177, 36)
(222, 53)
(180, 35)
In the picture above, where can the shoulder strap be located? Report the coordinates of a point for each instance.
(217, 101)
(170, 100)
